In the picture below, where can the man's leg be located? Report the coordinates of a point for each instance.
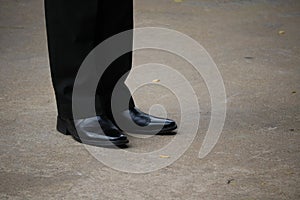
(116, 19)
(71, 30)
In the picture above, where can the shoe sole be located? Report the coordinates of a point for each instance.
(165, 131)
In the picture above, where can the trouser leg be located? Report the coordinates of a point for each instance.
(74, 28)
(113, 19)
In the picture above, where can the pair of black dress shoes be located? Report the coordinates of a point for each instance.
(101, 131)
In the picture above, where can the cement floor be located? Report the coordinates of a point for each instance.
(257, 155)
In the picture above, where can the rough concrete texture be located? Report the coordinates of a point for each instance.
(257, 155)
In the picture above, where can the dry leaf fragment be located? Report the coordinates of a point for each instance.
(272, 128)
(164, 156)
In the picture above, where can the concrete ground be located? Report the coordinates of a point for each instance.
(255, 44)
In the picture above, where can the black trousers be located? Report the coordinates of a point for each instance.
(74, 28)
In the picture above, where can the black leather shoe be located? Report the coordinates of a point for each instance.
(89, 132)
(143, 123)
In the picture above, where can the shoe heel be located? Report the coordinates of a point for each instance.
(61, 126)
